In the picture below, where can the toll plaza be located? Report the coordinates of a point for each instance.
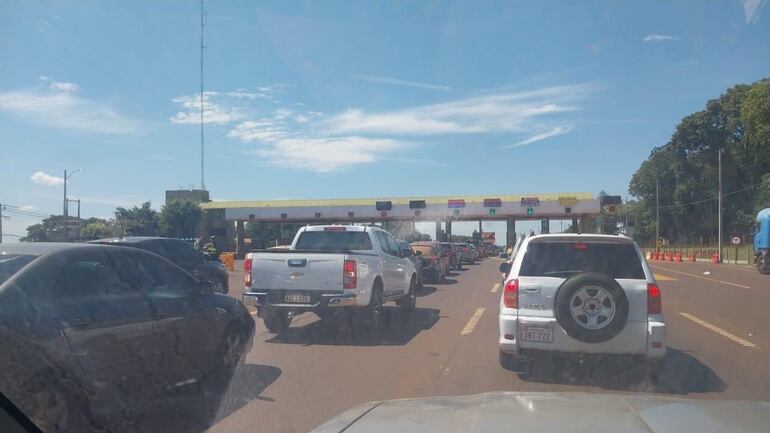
(226, 219)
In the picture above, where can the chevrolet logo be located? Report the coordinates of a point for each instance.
(296, 274)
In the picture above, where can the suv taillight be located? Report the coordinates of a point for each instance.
(511, 294)
(654, 299)
(349, 274)
(247, 274)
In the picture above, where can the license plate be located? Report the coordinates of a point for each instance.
(297, 299)
(537, 333)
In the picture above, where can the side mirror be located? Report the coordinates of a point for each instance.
(505, 268)
(205, 287)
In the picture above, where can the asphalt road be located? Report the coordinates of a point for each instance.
(718, 338)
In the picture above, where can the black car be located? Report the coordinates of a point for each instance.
(182, 254)
(92, 335)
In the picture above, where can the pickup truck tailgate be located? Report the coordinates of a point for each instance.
(297, 271)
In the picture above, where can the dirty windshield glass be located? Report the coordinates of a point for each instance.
(287, 216)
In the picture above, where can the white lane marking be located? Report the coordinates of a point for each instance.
(719, 330)
(496, 287)
(704, 278)
(473, 321)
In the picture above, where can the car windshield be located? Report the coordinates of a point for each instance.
(317, 240)
(253, 216)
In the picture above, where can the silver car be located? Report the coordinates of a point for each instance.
(580, 294)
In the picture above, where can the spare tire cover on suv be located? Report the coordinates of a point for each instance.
(591, 307)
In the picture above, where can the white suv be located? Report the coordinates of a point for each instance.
(580, 294)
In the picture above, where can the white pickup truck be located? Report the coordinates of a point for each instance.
(330, 269)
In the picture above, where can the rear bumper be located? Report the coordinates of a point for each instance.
(637, 338)
(260, 299)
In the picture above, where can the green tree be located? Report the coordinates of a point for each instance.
(137, 221)
(97, 229)
(180, 219)
(51, 229)
(736, 124)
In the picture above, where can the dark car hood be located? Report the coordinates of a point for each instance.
(552, 412)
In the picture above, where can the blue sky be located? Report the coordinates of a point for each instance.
(332, 99)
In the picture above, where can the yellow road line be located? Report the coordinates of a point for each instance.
(719, 330)
(473, 321)
(705, 278)
(661, 277)
(495, 288)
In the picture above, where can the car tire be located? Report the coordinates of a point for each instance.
(510, 362)
(366, 322)
(408, 302)
(762, 264)
(51, 399)
(276, 321)
(602, 294)
(228, 357)
(219, 285)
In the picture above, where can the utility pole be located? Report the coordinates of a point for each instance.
(719, 212)
(626, 224)
(1, 223)
(66, 207)
(203, 183)
(657, 210)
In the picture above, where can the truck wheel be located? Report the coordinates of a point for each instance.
(367, 320)
(408, 302)
(276, 321)
(762, 265)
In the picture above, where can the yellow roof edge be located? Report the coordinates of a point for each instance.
(394, 200)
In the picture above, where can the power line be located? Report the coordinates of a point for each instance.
(711, 198)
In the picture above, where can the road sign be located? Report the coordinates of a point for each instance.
(660, 242)
(492, 212)
(567, 201)
(611, 199)
(736, 240)
(530, 211)
(456, 203)
(610, 208)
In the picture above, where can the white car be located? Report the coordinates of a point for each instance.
(330, 269)
(580, 294)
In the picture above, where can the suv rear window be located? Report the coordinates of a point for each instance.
(334, 241)
(13, 263)
(563, 259)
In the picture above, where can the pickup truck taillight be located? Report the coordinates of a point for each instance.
(349, 274)
(511, 294)
(654, 299)
(247, 274)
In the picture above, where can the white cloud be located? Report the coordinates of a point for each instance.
(752, 9)
(220, 107)
(558, 130)
(654, 37)
(213, 112)
(42, 178)
(326, 154)
(264, 130)
(61, 107)
(62, 86)
(399, 82)
(505, 112)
